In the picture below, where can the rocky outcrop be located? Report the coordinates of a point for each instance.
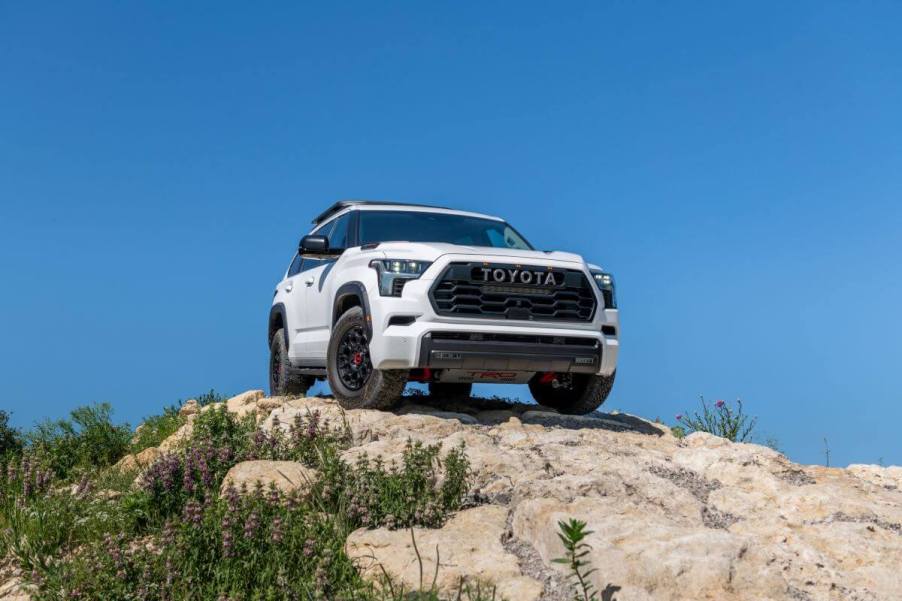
(138, 462)
(286, 476)
(468, 546)
(677, 520)
(11, 586)
(671, 519)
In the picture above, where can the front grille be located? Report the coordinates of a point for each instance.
(459, 292)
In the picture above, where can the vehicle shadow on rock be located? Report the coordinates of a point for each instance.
(479, 411)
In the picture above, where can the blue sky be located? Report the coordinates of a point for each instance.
(738, 166)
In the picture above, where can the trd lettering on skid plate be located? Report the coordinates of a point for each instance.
(493, 375)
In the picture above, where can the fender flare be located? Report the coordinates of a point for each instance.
(358, 290)
(277, 310)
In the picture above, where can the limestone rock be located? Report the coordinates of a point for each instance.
(673, 519)
(238, 402)
(287, 476)
(469, 546)
(190, 407)
(139, 461)
(12, 588)
(178, 438)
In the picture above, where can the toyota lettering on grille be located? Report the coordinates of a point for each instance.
(529, 277)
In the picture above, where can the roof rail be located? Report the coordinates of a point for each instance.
(343, 204)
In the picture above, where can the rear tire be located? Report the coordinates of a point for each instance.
(578, 394)
(354, 382)
(450, 391)
(283, 380)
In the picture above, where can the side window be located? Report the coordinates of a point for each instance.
(323, 230)
(295, 267)
(339, 237)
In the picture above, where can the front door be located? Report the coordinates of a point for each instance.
(319, 294)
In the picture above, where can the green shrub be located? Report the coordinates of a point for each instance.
(422, 491)
(720, 420)
(88, 440)
(155, 429)
(210, 397)
(10, 438)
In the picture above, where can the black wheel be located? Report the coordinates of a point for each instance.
(572, 393)
(354, 382)
(447, 390)
(282, 379)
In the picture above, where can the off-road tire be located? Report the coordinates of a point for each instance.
(380, 389)
(283, 379)
(586, 394)
(450, 391)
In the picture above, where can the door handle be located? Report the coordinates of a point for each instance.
(309, 281)
(289, 287)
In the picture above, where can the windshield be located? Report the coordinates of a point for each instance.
(421, 226)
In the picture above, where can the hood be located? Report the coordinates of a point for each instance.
(431, 251)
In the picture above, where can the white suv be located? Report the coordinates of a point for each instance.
(379, 294)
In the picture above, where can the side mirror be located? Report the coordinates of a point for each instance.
(314, 245)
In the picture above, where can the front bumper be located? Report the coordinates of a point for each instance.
(440, 350)
(430, 341)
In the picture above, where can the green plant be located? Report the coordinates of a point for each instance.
(209, 398)
(155, 429)
(573, 534)
(10, 438)
(720, 420)
(398, 496)
(87, 440)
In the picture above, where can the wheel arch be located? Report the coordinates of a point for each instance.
(277, 320)
(348, 295)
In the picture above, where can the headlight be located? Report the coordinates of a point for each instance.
(393, 273)
(605, 283)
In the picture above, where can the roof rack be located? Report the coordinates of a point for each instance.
(343, 204)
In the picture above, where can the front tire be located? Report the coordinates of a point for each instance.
(354, 382)
(283, 380)
(575, 394)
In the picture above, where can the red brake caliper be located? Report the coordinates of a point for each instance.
(547, 377)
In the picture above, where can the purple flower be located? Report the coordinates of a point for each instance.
(194, 513)
(276, 532)
(719, 404)
(232, 498)
(313, 424)
(251, 524)
(679, 416)
(227, 542)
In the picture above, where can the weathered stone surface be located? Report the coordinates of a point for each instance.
(190, 407)
(676, 520)
(468, 546)
(139, 461)
(179, 437)
(238, 402)
(287, 476)
(11, 585)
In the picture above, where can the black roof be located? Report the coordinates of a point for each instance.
(342, 204)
